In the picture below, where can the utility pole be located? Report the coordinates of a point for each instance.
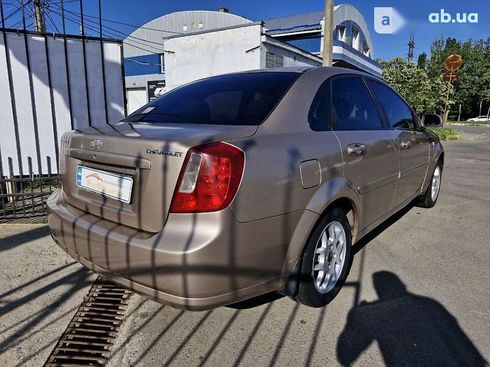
(39, 14)
(328, 33)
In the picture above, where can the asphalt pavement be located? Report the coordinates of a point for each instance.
(418, 294)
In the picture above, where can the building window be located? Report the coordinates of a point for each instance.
(273, 61)
(366, 50)
(201, 25)
(355, 38)
(307, 42)
(184, 28)
(341, 36)
(162, 63)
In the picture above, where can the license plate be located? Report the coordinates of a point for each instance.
(112, 185)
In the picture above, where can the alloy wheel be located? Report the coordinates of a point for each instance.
(436, 183)
(329, 257)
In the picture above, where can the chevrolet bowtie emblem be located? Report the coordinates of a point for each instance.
(97, 143)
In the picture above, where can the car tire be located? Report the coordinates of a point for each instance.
(429, 198)
(324, 267)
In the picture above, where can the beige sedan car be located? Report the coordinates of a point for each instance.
(243, 184)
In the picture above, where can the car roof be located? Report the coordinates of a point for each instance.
(323, 71)
(286, 69)
(337, 70)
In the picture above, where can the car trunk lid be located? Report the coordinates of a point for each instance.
(150, 154)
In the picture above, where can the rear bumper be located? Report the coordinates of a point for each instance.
(198, 261)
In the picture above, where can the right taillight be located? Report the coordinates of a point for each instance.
(209, 178)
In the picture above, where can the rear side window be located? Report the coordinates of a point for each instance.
(320, 111)
(237, 99)
(396, 111)
(353, 105)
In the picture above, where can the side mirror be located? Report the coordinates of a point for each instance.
(431, 120)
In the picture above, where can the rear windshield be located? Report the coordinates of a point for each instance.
(236, 99)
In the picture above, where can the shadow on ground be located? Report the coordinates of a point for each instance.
(409, 329)
(40, 289)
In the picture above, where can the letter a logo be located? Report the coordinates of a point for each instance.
(387, 20)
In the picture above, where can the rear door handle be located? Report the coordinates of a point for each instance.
(405, 144)
(356, 149)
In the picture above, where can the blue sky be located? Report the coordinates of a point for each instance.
(385, 46)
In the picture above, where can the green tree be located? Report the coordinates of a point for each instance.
(414, 85)
(473, 83)
(422, 61)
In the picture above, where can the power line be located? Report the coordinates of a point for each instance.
(110, 34)
(53, 24)
(116, 33)
(23, 11)
(115, 30)
(125, 35)
(106, 33)
(14, 12)
(133, 25)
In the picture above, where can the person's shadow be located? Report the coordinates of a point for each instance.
(410, 330)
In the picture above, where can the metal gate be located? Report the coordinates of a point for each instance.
(51, 83)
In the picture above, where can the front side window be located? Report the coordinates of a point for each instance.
(235, 99)
(353, 105)
(396, 111)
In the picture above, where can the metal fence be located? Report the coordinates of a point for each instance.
(52, 82)
(24, 197)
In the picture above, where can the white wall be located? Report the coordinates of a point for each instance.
(226, 51)
(202, 55)
(39, 154)
(136, 98)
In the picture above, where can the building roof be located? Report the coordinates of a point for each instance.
(150, 37)
(296, 23)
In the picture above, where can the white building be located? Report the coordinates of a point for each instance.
(144, 48)
(180, 47)
(204, 54)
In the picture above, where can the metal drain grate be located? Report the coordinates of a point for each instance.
(89, 338)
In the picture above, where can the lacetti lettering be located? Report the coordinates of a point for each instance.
(163, 152)
(443, 17)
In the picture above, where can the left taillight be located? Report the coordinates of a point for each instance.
(209, 178)
(64, 146)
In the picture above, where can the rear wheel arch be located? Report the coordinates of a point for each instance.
(336, 192)
(350, 210)
(308, 281)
